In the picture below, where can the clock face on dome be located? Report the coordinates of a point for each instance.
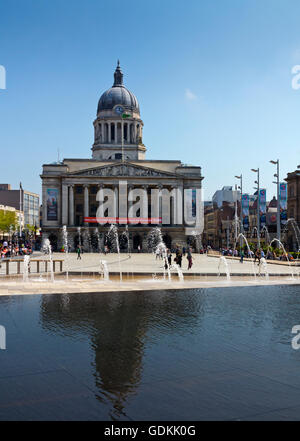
(119, 110)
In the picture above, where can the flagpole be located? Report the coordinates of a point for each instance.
(122, 136)
(20, 208)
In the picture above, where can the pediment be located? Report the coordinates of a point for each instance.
(123, 169)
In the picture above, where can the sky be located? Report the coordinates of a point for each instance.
(213, 79)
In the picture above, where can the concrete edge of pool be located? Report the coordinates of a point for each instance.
(84, 283)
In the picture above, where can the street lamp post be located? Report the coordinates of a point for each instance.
(235, 218)
(258, 214)
(20, 208)
(241, 189)
(278, 202)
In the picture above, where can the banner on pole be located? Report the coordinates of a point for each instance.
(245, 211)
(283, 202)
(263, 207)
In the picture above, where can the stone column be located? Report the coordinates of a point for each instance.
(71, 204)
(86, 202)
(109, 132)
(123, 204)
(160, 213)
(100, 210)
(116, 207)
(64, 204)
(44, 203)
(174, 205)
(116, 132)
(144, 213)
(102, 133)
(179, 217)
(129, 133)
(129, 188)
(134, 132)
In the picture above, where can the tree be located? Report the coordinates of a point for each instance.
(8, 221)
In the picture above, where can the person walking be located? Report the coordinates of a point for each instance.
(78, 252)
(179, 259)
(189, 259)
(242, 256)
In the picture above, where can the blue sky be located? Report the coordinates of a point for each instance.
(213, 79)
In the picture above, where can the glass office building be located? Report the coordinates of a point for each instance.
(31, 209)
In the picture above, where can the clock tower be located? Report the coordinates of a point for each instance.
(118, 125)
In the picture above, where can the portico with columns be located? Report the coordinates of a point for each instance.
(75, 190)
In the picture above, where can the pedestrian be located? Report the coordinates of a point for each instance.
(179, 259)
(79, 252)
(190, 261)
(242, 256)
(169, 258)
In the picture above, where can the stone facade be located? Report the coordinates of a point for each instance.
(293, 206)
(73, 189)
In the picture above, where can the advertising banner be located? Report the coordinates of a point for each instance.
(52, 197)
(245, 211)
(263, 207)
(283, 202)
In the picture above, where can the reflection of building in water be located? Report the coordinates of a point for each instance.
(119, 327)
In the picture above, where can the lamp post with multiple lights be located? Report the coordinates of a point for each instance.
(240, 187)
(276, 175)
(258, 214)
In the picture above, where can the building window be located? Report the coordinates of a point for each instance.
(94, 189)
(292, 213)
(118, 156)
(79, 189)
(79, 208)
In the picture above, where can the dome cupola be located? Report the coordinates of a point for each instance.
(118, 125)
(118, 94)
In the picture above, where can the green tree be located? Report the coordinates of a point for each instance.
(8, 221)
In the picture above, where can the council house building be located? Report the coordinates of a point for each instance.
(75, 191)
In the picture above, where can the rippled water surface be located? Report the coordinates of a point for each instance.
(220, 353)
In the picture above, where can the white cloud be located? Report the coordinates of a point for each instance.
(189, 95)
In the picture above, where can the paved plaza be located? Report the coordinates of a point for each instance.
(146, 263)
